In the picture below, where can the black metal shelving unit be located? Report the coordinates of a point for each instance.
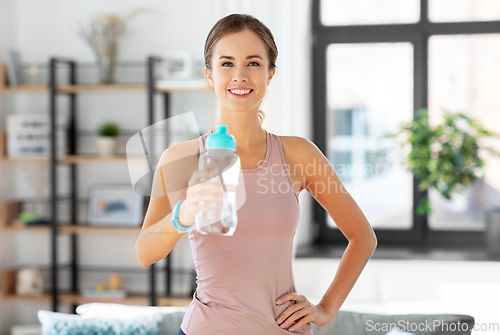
(73, 266)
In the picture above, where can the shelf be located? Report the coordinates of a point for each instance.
(83, 229)
(74, 88)
(162, 86)
(25, 89)
(100, 88)
(67, 229)
(93, 88)
(9, 284)
(74, 298)
(67, 159)
(9, 211)
(79, 229)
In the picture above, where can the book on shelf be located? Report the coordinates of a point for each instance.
(14, 67)
(115, 294)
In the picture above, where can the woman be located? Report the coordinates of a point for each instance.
(245, 282)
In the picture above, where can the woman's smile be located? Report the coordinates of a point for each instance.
(240, 93)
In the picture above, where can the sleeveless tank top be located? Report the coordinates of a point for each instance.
(239, 277)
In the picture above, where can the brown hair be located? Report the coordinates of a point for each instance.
(234, 23)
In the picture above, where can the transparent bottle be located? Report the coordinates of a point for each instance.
(224, 167)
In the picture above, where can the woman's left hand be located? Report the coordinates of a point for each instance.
(302, 312)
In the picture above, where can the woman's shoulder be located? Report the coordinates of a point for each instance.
(181, 150)
(298, 148)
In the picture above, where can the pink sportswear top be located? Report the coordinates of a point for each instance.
(239, 277)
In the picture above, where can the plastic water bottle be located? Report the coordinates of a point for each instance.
(224, 167)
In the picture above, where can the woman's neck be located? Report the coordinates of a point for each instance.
(245, 127)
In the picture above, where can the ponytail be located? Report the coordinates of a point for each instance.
(261, 116)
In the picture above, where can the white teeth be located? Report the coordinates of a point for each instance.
(240, 92)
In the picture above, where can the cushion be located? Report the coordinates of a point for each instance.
(354, 323)
(397, 332)
(54, 323)
(171, 315)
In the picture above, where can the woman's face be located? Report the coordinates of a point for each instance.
(240, 64)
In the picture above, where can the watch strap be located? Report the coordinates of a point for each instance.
(175, 217)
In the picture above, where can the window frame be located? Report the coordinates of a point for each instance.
(418, 34)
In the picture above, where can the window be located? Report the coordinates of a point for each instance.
(358, 115)
(375, 62)
(463, 78)
(464, 10)
(361, 12)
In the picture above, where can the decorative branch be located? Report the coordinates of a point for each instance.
(103, 34)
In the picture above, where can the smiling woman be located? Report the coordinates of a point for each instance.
(254, 36)
(245, 283)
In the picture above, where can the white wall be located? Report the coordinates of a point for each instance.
(41, 29)
(411, 287)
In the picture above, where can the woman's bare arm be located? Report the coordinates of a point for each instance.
(325, 186)
(158, 235)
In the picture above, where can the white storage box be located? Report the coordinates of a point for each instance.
(29, 135)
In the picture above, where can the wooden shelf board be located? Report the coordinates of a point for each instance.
(73, 159)
(5, 88)
(173, 301)
(74, 298)
(10, 209)
(163, 90)
(25, 88)
(8, 292)
(80, 229)
(67, 229)
(94, 88)
(100, 88)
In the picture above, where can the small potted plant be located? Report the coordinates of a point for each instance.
(446, 158)
(106, 140)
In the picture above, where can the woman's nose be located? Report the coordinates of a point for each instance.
(240, 73)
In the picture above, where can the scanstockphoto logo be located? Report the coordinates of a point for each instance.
(431, 326)
(170, 179)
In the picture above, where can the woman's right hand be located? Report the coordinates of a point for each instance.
(206, 191)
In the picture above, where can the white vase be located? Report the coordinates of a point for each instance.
(106, 145)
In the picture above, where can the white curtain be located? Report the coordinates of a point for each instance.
(288, 103)
(287, 106)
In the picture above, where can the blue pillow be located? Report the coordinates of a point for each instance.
(54, 323)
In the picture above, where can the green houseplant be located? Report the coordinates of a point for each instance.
(107, 133)
(445, 157)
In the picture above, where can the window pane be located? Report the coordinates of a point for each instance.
(369, 92)
(463, 77)
(362, 12)
(464, 10)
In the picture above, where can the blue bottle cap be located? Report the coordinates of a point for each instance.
(221, 139)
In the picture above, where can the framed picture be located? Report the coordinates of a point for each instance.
(176, 65)
(115, 205)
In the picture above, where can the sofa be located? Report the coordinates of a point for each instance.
(165, 320)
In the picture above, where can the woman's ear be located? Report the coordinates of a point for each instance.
(271, 75)
(208, 74)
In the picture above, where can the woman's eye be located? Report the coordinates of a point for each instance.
(223, 64)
